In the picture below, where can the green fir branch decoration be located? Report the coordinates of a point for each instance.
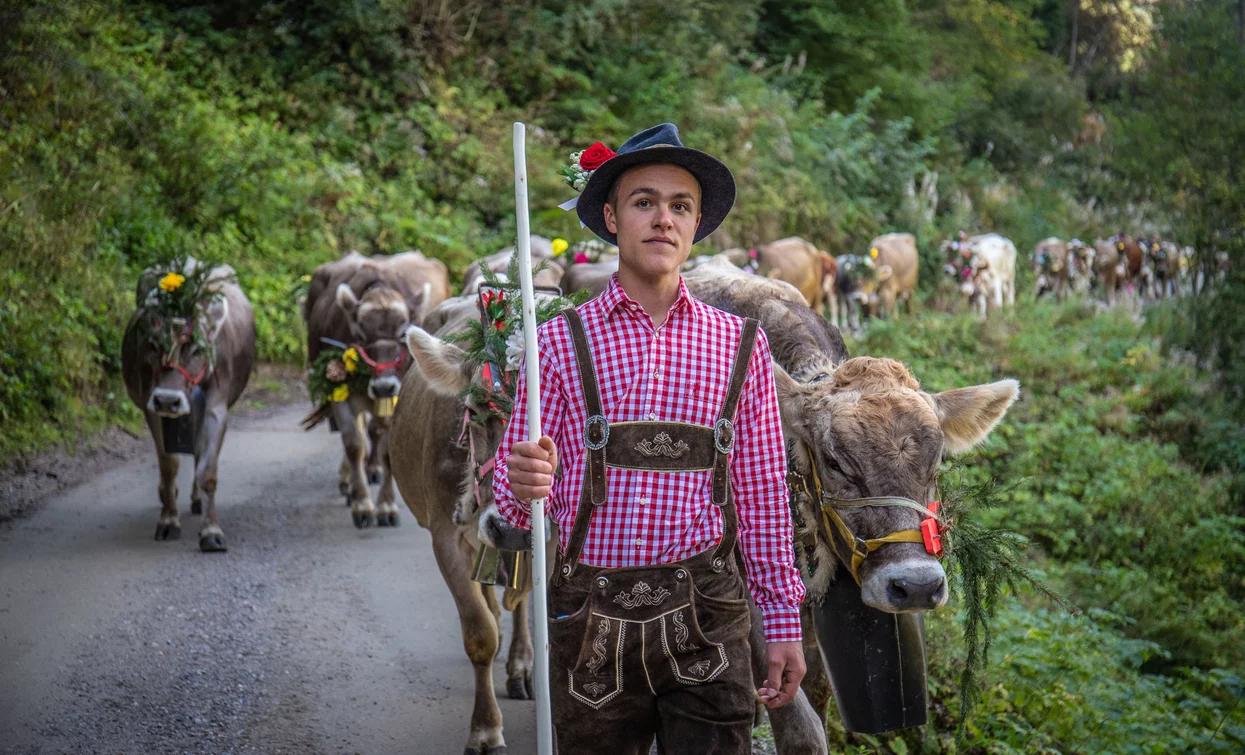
(171, 297)
(981, 562)
(500, 324)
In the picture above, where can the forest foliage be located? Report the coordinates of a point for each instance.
(277, 135)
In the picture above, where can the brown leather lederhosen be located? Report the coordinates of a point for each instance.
(650, 651)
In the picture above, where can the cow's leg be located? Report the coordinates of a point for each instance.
(375, 463)
(797, 728)
(215, 419)
(354, 440)
(343, 478)
(168, 527)
(816, 682)
(834, 309)
(387, 498)
(522, 657)
(480, 638)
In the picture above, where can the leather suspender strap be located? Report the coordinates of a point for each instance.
(596, 433)
(724, 442)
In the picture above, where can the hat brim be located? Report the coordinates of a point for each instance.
(717, 186)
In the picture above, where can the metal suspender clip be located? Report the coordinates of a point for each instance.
(724, 436)
(596, 419)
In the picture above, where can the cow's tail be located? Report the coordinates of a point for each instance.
(317, 415)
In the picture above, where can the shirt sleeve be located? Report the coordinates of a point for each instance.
(759, 482)
(552, 410)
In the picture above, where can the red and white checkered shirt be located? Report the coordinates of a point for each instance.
(678, 373)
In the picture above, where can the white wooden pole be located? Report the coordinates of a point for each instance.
(544, 718)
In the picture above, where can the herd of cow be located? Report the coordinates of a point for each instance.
(839, 413)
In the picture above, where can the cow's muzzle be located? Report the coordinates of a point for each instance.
(906, 586)
(384, 387)
(166, 402)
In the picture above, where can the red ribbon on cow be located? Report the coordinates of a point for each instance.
(167, 364)
(378, 368)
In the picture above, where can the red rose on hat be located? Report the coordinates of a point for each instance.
(595, 156)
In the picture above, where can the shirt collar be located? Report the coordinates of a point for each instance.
(614, 298)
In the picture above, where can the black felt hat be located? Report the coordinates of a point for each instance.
(660, 144)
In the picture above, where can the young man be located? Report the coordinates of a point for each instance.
(663, 415)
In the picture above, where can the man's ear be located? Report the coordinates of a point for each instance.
(611, 220)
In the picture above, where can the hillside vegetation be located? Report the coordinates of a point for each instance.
(277, 135)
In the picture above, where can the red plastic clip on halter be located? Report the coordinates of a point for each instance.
(931, 530)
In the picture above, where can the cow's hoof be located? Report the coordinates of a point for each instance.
(520, 688)
(364, 519)
(212, 542)
(168, 530)
(196, 507)
(387, 519)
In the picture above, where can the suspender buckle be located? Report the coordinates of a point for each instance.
(596, 419)
(724, 436)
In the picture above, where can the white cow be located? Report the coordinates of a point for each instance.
(994, 265)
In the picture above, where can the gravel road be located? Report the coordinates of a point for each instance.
(308, 636)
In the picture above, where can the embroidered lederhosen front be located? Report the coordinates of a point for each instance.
(643, 625)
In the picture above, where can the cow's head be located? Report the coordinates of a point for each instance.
(378, 323)
(181, 353)
(872, 432)
(448, 373)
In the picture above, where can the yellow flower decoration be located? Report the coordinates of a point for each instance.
(873, 253)
(341, 392)
(306, 278)
(351, 360)
(560, 246)
(172, 282)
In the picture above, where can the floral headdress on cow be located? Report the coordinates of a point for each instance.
(498, 345)
(171, 298)
(335, 375)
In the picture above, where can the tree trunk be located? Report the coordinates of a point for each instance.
(1076, 18)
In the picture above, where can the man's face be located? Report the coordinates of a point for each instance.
(655, 216)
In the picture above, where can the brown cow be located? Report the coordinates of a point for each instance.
(896, 264)
(1118, 262)
(441, 450)
(171, 384)
(1051, 268)
(368, 303)
(871, 431)
(542, 250)
(592, 277)
(801, 264)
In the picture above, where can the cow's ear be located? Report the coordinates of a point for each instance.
(417, 305)
(347, 301)
(443, 364)
(884, 272)
(967, 415)
(216, 313)
(792, 397)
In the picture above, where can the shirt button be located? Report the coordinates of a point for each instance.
(639, 541)
(657, 374)
(643, 501)
(652, 415)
